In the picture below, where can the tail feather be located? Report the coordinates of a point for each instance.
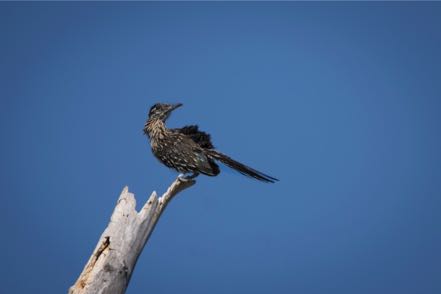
(242, 168)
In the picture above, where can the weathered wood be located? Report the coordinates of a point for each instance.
(111, 265)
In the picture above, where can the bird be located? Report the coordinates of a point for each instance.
(189, 150)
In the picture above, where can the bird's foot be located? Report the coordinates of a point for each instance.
(186, 178)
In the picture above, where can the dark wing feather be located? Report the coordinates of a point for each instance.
(199, 137)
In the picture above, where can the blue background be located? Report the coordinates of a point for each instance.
(341, 101)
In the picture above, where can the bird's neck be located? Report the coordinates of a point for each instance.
(155, 129)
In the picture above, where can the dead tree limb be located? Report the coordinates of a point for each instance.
(112, 263)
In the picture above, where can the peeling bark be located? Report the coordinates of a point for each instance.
(111, 265)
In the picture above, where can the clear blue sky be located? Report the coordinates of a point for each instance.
(341, 101)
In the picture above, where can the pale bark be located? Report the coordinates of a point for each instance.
(112, 263)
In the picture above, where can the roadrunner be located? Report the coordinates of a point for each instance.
(189, 150)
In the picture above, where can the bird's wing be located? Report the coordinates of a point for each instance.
(189, 155)
(199, 137)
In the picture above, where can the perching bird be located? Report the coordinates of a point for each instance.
(188, 150)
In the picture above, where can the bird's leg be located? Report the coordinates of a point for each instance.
(188, 177)
(192, 176)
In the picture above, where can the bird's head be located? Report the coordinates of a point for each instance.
(161, 111)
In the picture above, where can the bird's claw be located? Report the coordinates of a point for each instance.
(183, 178)
(187, 178)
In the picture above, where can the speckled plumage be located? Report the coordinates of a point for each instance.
(187, 149)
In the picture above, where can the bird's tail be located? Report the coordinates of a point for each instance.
(242, 168)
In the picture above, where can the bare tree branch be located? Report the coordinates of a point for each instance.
(112, 262)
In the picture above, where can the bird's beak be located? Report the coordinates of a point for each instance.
(174, 106)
